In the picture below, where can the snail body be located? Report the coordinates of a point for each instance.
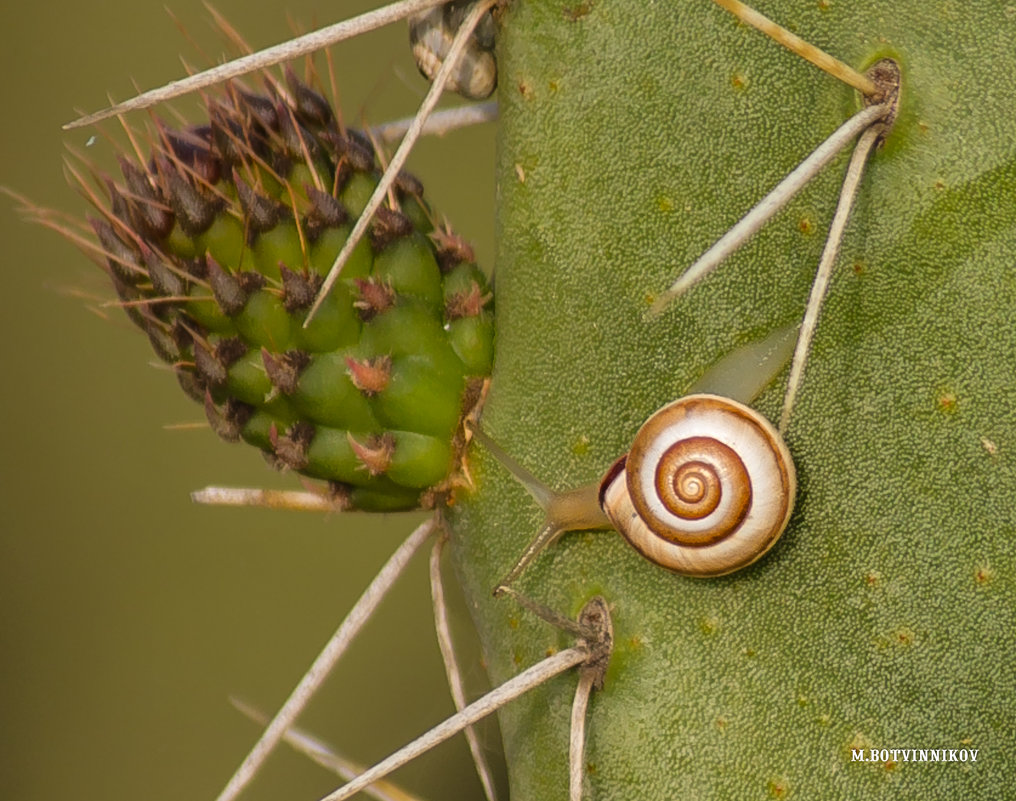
(706, 489)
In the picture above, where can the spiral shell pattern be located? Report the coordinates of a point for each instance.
(707, 488)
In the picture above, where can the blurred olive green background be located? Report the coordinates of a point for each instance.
(128, 614)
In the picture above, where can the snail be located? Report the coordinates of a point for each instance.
(706, 488)
(431, 33)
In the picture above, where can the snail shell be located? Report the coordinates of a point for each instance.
(430, 35)
(707, 488)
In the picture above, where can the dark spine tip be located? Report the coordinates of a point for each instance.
(408, 184)
(230, 350)
(466, 304)
(193, 210)
(193, 387)
(262, 213)
(354, 149)
(373, 297)
(284, 369)
(123, 259)
(226, 288)
(310, 106)
(451, 250)
(223, 420)
(165, 281)
(389, 225)
(212, 371)
(291, 448)
(298, 289)
(325, 212)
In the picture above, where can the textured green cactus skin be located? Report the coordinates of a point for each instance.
(218, 247)
(632, 136)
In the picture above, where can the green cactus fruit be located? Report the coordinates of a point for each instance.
(218, 247)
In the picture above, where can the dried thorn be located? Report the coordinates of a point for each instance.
(292, 447)
(376, 454)
(375, 297)
(164, 280)
(122, 258)
(261, 212)
(193, 210)
(452, 249)
(191, 383)
(388, 225)
(325, 212)
(311, 106)
(212, 371)
(466, 304)
(370, 376)
(284, 369)
(298, 289)
(229, 293)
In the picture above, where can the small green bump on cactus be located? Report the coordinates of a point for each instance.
(409, 267)
(326, 247)
(326, 393)
(224, 241)
(264, 321)
(357, 192)
(419, 460)
(179, 244)
(205, 310)
(259, 428)
(472, 339)
(408, 329)
(336, 324)
(386, 499)
(419, 397)
(332, 455)
(247, 379)
(462, 280)
(418, 214)
(280, 245)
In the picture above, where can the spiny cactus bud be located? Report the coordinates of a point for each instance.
(219, 245)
